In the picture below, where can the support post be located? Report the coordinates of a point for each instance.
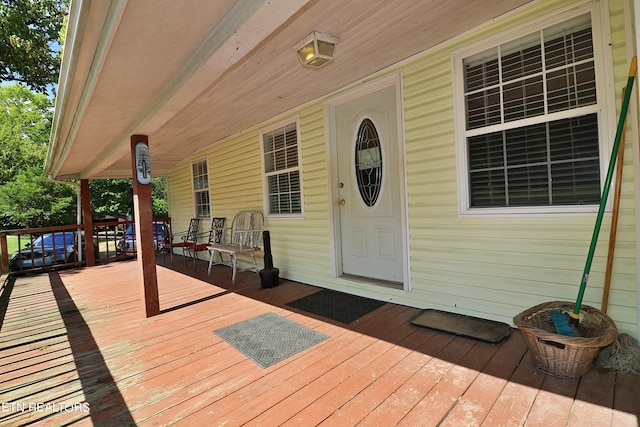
(87, 220)
(142, 206)
(4, 256)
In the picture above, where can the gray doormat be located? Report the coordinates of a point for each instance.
(269, 338)
(466, 326)
(336, 305)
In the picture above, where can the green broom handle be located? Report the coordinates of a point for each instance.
(607, 184)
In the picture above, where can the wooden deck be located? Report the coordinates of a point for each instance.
(75, 349)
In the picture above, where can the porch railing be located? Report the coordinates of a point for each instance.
(46, 248)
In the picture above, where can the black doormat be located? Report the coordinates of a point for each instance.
(268, 339)
(466, 326)
(336, 305)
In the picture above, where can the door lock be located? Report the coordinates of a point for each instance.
(341, 202)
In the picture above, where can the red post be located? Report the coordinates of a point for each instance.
(87, 219)
(142, 206)
(4, 260)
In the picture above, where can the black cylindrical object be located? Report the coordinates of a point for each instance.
(269, 275)
(268, 258)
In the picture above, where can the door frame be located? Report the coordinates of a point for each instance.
(330, 105)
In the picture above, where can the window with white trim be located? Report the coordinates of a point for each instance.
(282, 172)
(200, 174)
(532, 121)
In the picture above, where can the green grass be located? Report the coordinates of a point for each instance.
(12, 244)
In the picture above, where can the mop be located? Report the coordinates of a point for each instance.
(624, 353)
(621, 355)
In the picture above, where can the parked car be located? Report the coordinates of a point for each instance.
(46, 250)
(127, 243)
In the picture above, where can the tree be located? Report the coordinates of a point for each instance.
(159, 195)
(32, 200)
(29, 41)
(25, 124)
(27, 197)
(111, 196)
(115, 196)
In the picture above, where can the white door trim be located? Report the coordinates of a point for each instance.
(330, 105)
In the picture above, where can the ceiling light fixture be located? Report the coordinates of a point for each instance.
(316, 49)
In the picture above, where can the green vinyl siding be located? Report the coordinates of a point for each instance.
(180, 198)
(490, 267)
(301, 246)
(496, 267)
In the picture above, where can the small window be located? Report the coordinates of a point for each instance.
(281, 153)
(532, 120)
(200, 174)
(368, 160)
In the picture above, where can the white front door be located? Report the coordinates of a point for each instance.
(369, 186)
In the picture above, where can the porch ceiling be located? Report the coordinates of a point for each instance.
(189, 73)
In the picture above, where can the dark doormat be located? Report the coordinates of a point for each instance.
(336, 305)
(269, 338)
(466, 326)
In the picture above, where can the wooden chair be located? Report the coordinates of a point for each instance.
(214, 236)
(245, 238)
(183, 239)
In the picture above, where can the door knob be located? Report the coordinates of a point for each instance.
(341, 202)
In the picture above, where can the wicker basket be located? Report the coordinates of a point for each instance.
(560, 355)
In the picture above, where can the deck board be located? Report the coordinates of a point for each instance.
(79, 337)
(553, 404)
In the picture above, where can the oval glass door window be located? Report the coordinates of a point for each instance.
(368, 161)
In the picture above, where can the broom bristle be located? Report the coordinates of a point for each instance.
(561, 323)
(622, 355)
